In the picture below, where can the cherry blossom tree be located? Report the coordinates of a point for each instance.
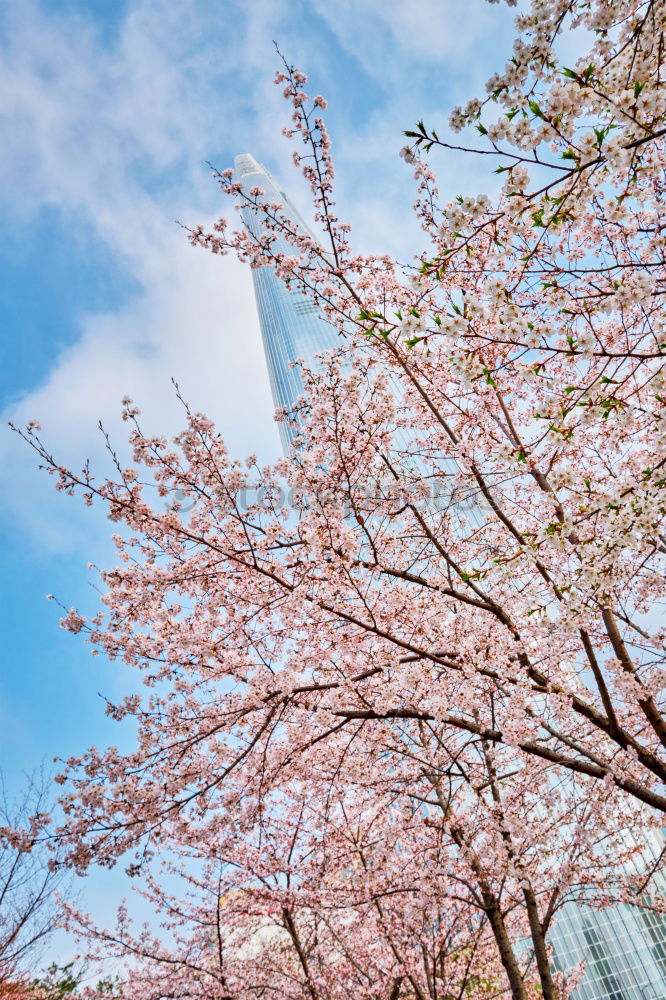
(420, 878)
(404, 689)
(527, 345)
(347, 823)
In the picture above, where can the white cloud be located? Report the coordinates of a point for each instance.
(187, 324)
(94, 134)
(399, 43)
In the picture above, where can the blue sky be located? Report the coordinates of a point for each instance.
(110, 111)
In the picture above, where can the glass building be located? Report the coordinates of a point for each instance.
(623, 947)
(291, 327)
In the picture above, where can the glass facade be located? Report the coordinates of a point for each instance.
(291, 327)
(623, 947)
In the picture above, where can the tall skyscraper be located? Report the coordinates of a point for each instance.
(291, 326)
(623, 947)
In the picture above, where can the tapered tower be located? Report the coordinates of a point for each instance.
(291, 326)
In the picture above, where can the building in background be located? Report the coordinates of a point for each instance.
(291, 326)
(623, 947)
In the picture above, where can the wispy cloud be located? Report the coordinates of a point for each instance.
(115, 139)
(396, 40)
